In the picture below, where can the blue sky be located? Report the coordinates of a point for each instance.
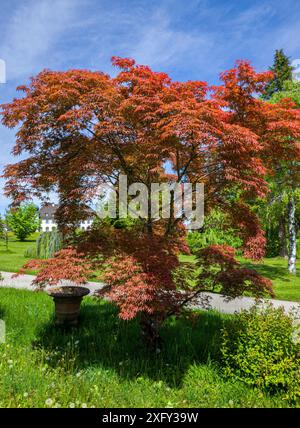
(189, 39)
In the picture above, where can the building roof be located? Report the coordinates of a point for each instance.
(48, 210)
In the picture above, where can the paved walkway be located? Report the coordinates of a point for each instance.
(215, 301)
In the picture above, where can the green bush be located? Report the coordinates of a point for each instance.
(48, 243)
(273, 243)
(261, 348)
(30, 253)
(215, 231)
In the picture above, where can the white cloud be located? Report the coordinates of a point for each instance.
(161, 45)
(31, 32)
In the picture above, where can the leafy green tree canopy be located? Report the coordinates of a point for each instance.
(24, 220)
(290, 89)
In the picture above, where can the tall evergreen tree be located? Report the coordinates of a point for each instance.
(283, 70)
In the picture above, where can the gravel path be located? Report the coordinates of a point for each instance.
(216, 301)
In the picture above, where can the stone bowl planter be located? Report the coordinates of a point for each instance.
(67, 300)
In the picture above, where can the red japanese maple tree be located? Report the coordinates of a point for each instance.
(79, 129)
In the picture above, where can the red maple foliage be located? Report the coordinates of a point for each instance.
(152, 258)
(276, 126)
(220, 271)
(78, 129)
(66, 265)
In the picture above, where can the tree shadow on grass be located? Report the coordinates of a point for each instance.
(2, 313)
(106, 341)
(270, 271)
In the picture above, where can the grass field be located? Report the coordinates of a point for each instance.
(13, 259)
(103, 362)
(286, 286)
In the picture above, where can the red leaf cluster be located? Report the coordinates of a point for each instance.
(220, 271)
(135, 290)
(66, 265)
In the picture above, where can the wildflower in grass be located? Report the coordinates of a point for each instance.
(25, 394)
(84, 405)
(49, 402)
(230, 402)
(72, 405)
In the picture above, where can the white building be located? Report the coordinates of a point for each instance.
(47, 216)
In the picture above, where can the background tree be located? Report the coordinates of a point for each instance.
(282, 70)
(23, 220)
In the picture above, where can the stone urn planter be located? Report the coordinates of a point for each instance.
(67, 300)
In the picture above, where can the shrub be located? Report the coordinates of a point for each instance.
(217, 270)
(30, 253)
(47, 244)
(66, 265)
(261, 348)
(216, 231)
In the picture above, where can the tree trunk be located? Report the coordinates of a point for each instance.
(282, 237)
(292, 235)
(150, 331)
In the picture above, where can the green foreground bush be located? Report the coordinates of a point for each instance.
(261, 348)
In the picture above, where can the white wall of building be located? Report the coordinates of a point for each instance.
(48, 225)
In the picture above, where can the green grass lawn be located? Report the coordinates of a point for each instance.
(286, 286)
(13, 259)
(104, 363)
